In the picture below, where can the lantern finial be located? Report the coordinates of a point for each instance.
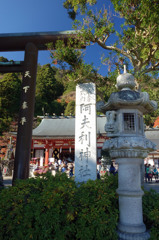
(125, 69)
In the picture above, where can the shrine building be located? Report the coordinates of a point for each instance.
(55, 138)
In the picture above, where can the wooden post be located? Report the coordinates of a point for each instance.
(26, 114)
(46, 156)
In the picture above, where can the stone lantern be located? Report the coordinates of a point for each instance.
(128, 145)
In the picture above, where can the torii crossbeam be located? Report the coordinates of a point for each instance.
(30, 43)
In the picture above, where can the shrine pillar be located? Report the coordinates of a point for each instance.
(46, 156)
(26, 114)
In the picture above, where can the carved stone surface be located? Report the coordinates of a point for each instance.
(128, 153)
(110, 126)
(99, 105)
(128, 95)
(130, 99)
(125, 80)
(130, 144)
(129, 236)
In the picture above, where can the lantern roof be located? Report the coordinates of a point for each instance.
(127, 97)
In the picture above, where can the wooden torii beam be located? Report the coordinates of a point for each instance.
(30, 43)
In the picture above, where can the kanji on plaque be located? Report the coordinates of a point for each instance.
(85, 138)
(85, 122)
(81, 155)
(85, 108)
(84, 171)
(85, 133)
(87, 154)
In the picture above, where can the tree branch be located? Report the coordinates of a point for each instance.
(152, 68)
(151, 54)
(114, 48)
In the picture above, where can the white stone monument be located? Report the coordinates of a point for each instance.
(128, 145)
(85, 133)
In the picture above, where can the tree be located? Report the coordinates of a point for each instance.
(9, 99)
(70, 109)
(140, 36)
(10, 93)
(76, 70)
(47, 90)
(139, 39)
(153, 90)
(136, 41)
(3, 59)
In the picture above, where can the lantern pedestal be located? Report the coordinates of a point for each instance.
(131, 224)
(136, 236)
(129, 153)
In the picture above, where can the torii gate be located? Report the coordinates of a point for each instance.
(30, 43)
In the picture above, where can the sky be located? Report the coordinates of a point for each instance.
(17, 16)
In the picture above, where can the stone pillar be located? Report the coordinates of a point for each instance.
(142, 173)
(26, 114)
(129, 153)
(85, 133)
(131, 224)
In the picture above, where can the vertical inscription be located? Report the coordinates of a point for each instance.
(26, 93)
(85, 132)
(24, 135)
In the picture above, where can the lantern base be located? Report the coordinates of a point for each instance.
(133, 236)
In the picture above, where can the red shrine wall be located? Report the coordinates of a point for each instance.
(60, 148)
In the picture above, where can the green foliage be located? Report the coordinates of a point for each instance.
(3, 59)
(4, 124)
(73, 5)
(70, 109)
(10, 92)
(56, 208)
(70, 60)
(42, 107)
(140, 32)
(49, 207)
(47, 86)
(76, 71)
(68, 53)
(151, 213)
(135, 41)
(150, 85)
(47, 91)
(70, 86)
